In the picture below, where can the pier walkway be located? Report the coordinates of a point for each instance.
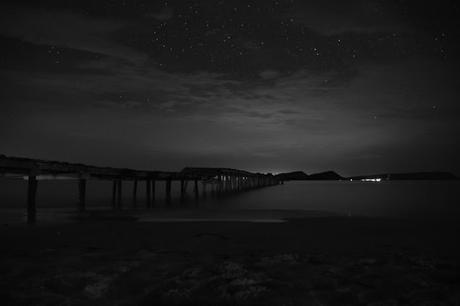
(214, 181)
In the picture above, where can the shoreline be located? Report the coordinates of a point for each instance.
(61, 216)
(48, 216)
(318, 260)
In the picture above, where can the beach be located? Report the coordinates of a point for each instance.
(287, 258)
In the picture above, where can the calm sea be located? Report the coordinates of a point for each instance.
(376, 199)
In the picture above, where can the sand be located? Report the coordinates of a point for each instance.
(312, 259)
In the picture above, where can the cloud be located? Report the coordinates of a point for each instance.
(68, 30)
(299, 116)
(269, 74)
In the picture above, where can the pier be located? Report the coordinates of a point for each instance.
(204, 181)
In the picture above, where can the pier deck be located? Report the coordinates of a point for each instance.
(216, 181)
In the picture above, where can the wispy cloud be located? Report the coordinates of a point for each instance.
(68, 30)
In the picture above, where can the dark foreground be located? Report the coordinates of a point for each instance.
(310, 261)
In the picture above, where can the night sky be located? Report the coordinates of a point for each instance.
(361, 86)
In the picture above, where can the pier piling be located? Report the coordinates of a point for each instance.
(119, 195)
(31, 199)
(114, 194)
(135, 193)
(168, 192)
(182, 190)
(203, 187)
(148, 199)
(152, 200)
(195, 189)
(215, 181)
(81, 194)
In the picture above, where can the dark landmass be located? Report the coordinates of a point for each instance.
(302, 176)
(331, 175)
(437, 175)
(293, 176)
(311, 261)
(326, 176)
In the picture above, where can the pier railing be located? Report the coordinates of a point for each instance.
(214, 181)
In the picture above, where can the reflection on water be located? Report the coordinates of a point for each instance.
(56, 199)
(168, 220)
(385, 198)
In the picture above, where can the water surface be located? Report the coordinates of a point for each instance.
(374, 199)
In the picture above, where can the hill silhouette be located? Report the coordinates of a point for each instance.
(293, 176)
(302, 176)
(326, 176)
(433, 175)
(332, 176)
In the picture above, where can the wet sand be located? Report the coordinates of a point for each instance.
(309, 260)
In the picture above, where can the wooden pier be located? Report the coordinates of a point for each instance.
(214, 181)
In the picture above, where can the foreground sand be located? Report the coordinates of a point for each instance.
(305, 261)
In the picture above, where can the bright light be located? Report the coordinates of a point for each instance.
(371, 180)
